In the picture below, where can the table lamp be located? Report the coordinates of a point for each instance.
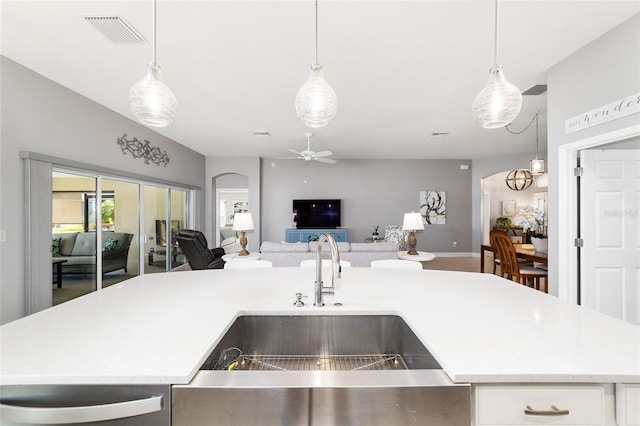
(243, 222)
(412, 223)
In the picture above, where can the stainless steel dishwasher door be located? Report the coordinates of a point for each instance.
(125, 405)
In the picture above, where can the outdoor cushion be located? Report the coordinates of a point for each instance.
(85, 244)
(55, 247)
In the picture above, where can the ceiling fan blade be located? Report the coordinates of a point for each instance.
(295, 152)
(290, 158)
(324, 153)
(326, 160)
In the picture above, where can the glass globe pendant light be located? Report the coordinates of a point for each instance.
(499, 102)
(316, 102)
(150, 99)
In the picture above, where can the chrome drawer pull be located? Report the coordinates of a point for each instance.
(555, 411)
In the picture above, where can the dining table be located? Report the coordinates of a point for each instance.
(523, 251)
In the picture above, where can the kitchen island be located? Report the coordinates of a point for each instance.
(160, 328)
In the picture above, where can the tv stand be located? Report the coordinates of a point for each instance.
(295, 235)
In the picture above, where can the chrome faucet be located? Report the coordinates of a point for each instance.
(320, 289)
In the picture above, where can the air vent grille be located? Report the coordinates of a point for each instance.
(116, 29)
(538, 89)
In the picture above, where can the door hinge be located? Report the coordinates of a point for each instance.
(578, 242)
(578, 171)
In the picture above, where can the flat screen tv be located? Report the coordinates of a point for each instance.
(316, 213)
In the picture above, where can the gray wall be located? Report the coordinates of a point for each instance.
(41, 116)
(602, 72)
(373, 192)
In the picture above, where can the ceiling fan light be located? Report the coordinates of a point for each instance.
(151, 100)
(316, 102)
(498, 103)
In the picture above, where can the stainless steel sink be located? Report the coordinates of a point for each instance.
(327, 342)
(324, 370)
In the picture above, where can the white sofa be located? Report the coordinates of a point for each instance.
(359, 254)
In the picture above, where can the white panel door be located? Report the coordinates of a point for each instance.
(610, 228)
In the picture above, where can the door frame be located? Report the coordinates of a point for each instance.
(568, 208)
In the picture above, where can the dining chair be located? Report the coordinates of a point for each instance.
(311, 263)
(395, 264)
(248, 264)
(496, 256)
(509, 264)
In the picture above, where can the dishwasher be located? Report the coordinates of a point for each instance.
(121, 405)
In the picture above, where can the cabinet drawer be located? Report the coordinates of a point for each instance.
(575, 404)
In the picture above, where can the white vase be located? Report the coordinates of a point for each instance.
(540, 244)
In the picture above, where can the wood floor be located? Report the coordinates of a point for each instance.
(465, 264)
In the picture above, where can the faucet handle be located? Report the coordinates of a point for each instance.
(299, 303)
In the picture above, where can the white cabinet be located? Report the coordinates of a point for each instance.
(544, 404)
(628, 404)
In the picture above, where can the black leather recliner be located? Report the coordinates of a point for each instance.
(194, 246)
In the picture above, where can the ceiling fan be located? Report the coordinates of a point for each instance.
(309, 155)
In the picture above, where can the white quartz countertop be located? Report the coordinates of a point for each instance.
(160, 328)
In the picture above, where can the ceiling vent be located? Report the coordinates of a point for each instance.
(116, 29)
(538, 89)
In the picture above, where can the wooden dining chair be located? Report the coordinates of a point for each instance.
(496, 257)
(509, 264)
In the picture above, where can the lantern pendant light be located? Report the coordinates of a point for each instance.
(150, 99)
(316, 102)
(499, 102)
(536, 166)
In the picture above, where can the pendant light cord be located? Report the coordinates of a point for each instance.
(495, 38)
(535, 118)
(154, 32)
(316, 62)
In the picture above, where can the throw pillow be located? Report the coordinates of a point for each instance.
(55, 247)
(110, 244)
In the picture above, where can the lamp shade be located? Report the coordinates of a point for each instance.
(498, 103)
(242, 222)
(412, 222)
(151, 101)
(316, 102)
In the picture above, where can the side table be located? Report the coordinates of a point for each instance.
(422, 256)
(58, 277)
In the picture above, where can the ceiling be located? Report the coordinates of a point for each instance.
(402, 70)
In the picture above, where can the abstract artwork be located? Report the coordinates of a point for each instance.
(433, 207)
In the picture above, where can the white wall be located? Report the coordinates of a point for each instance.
(486, 167)
(44, 117)
(602, 72)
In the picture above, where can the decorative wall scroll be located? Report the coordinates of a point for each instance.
(433, 207)
(143, 150)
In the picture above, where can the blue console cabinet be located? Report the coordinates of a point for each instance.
(294, 235)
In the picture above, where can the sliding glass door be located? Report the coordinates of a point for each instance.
(96, 226)
(120, 212)
(73, 236)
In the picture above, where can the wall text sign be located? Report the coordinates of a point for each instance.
(620, 108)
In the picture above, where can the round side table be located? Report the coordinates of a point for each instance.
(422, 256)
(234, 257)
